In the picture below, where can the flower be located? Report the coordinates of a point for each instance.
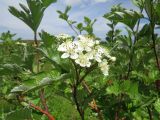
(83, 60)
(21, 43)
(68, 49)
(97, 42)
(98, 53)
(64, 46)
(98, 57)
(104, 67)
(94, 55)
(85, 43)
(113, 58)
(64, 37)
(84, 51)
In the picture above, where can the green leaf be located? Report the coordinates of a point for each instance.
(68, 8)
(64, 15)
(48, 40)
(6, 107)
(114, 89)
(45, 82)
(127, 17)
(125, 87)
(21, 114)
(89, 25)
(19, 89)
(145, 31)
(148, 6)
(8, 69)
(32, 14)
(47, 3)
(87, 20)
(157, 105)
(138, 3)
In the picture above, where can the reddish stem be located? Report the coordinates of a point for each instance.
(50, 117)
(43, 100)
(116, 116)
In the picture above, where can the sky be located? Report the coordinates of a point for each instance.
(52, 24)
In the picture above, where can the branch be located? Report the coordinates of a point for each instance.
(133, 47)
(87, 72)
(96, 108)
(79, 109)
(50, 117)
(43, 100)
(116, 116)
(35, 39)
(25, 103)
(150, 113)
(70, 25)
(153, 37)
(77, 73)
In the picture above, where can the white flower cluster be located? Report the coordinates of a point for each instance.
(21, 43)
(63, 37)
(84, 51)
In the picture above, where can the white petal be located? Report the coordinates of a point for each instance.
(80, 48)
(88, 64)
(113, 59)
(62, 47)
(65, 55)
(77, 61)
(91, 43)
(88, 49)
(81, 37)
(90, 55)
(82, 65)
(105, 73)
(74, 56)
(97, 42)
(98, 59)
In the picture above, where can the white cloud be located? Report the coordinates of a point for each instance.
(8, 20)
(14, 3)
(100, 27)
(51, 23)
(101, 1)
(82, 2)
(72, 2)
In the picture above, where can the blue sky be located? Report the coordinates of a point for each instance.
(52, 24)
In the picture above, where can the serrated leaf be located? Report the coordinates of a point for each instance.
(114, 89)
(32, 14)
(20, 89)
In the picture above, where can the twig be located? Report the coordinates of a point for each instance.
(77, 73)
(43, 100)
(153, 37)
(116, 116)
(87, 72)
(154, 50)
(50, 117)
(133, 47)
(35, 38)
(96, 106)
(22, 100)
(150, 113)
(70, 25)
(80, 110)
